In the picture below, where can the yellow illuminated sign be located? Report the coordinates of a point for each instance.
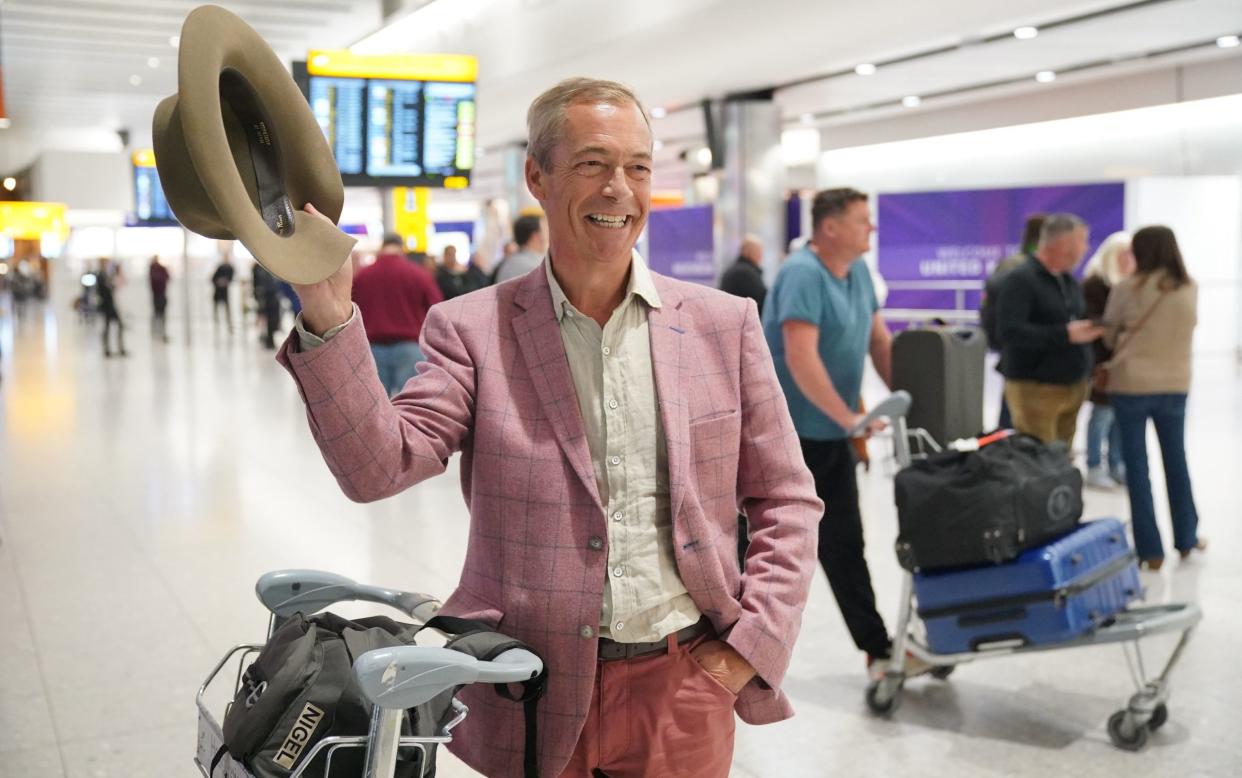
(416, 67)
(144, 158)
(409, 212)
(31, 221)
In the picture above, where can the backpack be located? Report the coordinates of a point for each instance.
(301, 689)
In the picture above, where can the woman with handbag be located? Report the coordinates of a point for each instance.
(1150, 318)
(1113, 263)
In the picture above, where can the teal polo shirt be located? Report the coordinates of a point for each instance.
(842, 308)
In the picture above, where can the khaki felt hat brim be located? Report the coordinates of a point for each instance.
(239, 152)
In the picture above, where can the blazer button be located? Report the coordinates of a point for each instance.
(595, 543)
(586, 631)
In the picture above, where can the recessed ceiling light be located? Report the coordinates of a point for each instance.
(10, 183)
(657, 145)
(865, 69)
(5, 122)
(912, 101)
(703, 156)
(1025, 33)
(135, 80)
(1045, 76)
(658, 113)
(807, 118)
(174, 41)
(153, 62)
(1227, 41)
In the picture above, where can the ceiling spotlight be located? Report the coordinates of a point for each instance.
(865, 69)
(657, 145)
(135, 80)
(1025, 33)
(153, 62)
(703, 156)
(658, 113)
(912, 101)
(1045, 76)
(807, 118)
(174, 41)
(10, 183)
(1227, 41)
(5, 122)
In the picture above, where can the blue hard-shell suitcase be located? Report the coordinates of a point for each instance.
(1050, 593)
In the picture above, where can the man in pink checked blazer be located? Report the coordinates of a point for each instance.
(611, 424)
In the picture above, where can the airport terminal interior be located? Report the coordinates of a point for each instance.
(145, 485)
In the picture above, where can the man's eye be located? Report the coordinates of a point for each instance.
(640, 171)
(591, 166)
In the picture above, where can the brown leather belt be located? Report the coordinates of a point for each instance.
(611, 650)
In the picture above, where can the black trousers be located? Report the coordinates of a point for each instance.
(832, 464)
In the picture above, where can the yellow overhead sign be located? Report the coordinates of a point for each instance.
(31, 221)
(409, 211)
(144, 158)
(416, 67)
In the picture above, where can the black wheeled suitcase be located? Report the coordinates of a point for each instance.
(964, 508)
(942, 368)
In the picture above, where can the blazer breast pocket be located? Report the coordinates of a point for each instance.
(714, 441)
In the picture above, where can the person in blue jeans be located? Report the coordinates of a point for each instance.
(1150, 320)
(1112, 263)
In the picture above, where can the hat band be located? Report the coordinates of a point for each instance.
(274, 204)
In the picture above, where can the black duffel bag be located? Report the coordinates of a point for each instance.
(957, 509)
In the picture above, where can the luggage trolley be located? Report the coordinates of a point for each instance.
(1128, 727)
(392, 679)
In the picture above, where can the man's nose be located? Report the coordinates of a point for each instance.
(617, 186)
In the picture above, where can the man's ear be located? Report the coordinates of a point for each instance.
(534, 178)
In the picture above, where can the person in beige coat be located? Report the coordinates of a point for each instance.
(1150, 320)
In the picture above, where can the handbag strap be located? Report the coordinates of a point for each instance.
(1129, 335)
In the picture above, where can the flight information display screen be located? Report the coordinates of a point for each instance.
(150, 205)
(396, 131)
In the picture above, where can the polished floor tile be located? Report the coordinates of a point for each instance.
(140, 498)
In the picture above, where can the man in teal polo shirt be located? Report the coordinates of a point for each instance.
(821, 321)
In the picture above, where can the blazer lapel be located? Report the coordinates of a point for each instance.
(670, 358)
(538, 333)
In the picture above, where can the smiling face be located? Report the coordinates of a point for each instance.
(596, 190)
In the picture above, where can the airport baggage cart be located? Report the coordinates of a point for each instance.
(393, 680)
(1130, 727)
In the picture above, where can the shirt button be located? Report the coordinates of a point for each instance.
(613, 404)
(595, 543)
(607, 351)
(620, 625)
(616, 460)
(618, 571)
(586, 631)
(618, 516)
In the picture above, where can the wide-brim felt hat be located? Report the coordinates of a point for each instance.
(239, 152)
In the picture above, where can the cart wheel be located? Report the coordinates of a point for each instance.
(883, 697)
(1124, 734)
(942, 672)
(1159, 716)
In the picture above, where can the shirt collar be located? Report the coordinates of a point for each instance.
(640, 284)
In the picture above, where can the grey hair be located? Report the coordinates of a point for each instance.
(1058, 224)
(545, 119)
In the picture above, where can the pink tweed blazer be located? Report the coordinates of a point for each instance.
(496, 386)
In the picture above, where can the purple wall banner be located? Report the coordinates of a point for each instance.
(962, 235)
(681, 243)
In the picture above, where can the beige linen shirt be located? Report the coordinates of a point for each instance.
(644, 597)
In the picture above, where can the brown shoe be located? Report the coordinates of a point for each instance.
(1151, 565)
(1201, 545)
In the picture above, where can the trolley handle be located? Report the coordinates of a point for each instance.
(894, 407)
(287, 592)
(406, 676)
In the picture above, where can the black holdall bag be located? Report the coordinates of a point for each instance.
(957, 509)
(301, 689)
